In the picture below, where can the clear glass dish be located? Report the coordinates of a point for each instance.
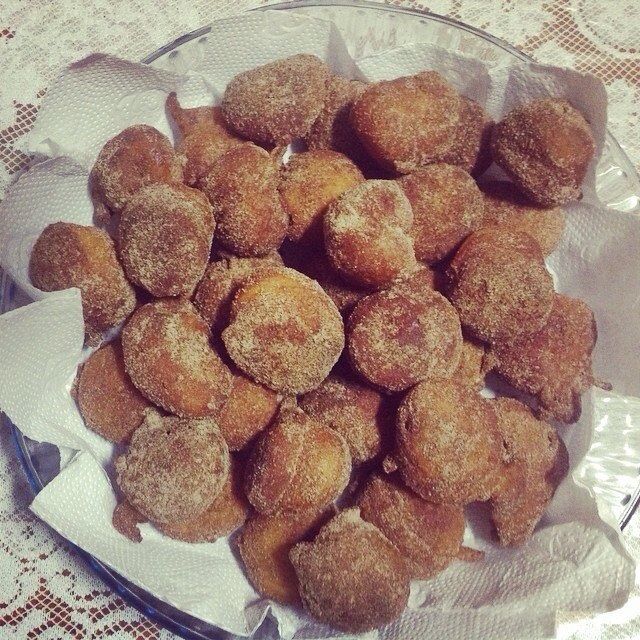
(612, 463)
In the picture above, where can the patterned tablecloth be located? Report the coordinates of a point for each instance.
(45, 589)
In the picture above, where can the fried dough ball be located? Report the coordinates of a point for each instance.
(428, 535)
(107, 399)
(405, 334)
(553, 364)
(138, 156)
(536, 462)
(264, 546)
(505, 207)
(545, 147)
(168, 356)
(308, 184)
(285, 332)
(499, 285)
(71, 255)
(276, 102)
(355, 411)
(448, 443)
(470, 369)
(242, 186)
(220, 282)
(470, 147)
(367, 233)
(313, 262)
(332, 128)
(408, 122)
(205, 137)
(447, 206)
(249, 410)
(351, 577)
(174, 468)
(299, 464)
(227, 512)
(164, 238)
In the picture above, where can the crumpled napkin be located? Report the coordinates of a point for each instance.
(575, 561)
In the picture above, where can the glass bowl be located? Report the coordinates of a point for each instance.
(611, 468)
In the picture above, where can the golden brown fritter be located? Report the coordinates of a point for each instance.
(367, 234)
(471, 368)
(264, 546)
(242, 186)
(174, 468)
(448, 446)
(299, 464)
(447, 206)
(332, 128)
(125, 520)
(71, 255)
(138, 156)
(536, 462)
(408, 122)
(504, 206)
(545, 147)
(405, 334)
(107, 399)
(276, 102)
(427, 535)
(205, 137)
(309, 182)
(355, 411)
(169, 359)
(227, 512)
(220, 282)
(351, 577)
(249, 409)
(164, 238)
(553, 364)
(499, 285)
(285, 332)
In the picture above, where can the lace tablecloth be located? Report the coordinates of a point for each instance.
(46, 591)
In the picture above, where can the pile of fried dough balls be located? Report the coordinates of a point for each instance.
(304, 342)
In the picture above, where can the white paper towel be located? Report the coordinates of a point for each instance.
(574, 562)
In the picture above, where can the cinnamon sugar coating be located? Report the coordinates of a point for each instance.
(178, 486)
(309, 182)
(71, 255)
(447, 206)
(554, 363)
(242, 186)
(169, 359)
(264, 546)
(536, 461)
(205, 137)
(428, 535)
(448, 443)
(278, 101)
(284, 331)
(355, 411)
(408, 122)
(506, 207)
(499, 285)
(138, 156)
(164, 238)
(351, 577)
(367, 234)
(405, 334)
(227, 512)
(545, 147)
(107, 399)
(299, 464)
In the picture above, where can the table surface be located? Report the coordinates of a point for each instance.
(46, 591)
